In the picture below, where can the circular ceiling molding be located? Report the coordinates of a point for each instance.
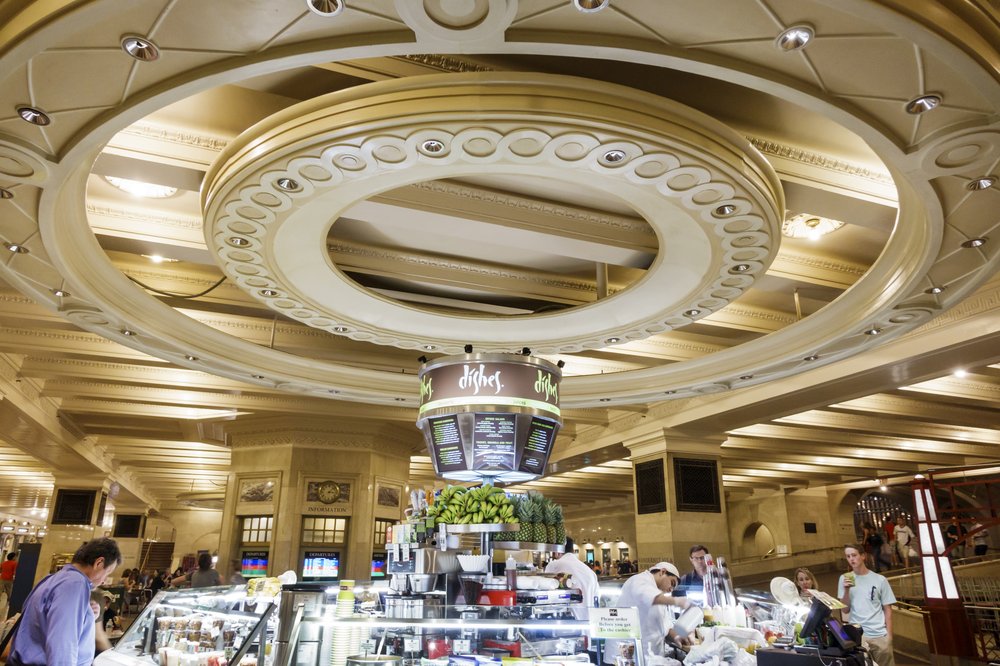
(714, 203)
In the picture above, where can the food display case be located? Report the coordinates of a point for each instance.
(346, 633)
(211, 626)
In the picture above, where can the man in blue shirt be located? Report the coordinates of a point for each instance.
(869, 601)
(57, 627)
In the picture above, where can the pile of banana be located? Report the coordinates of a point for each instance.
(457, 505)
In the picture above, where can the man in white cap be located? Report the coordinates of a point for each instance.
(582, 577)
(649, 592)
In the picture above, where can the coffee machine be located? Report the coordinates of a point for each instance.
(421, 571)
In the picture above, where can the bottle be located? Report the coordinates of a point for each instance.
(510, 572)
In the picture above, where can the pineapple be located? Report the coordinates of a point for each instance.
(540, 533)
(525, 516)
(560, 526)
(550, 522)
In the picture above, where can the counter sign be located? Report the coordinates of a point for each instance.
(614, 623)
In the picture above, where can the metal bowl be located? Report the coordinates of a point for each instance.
(422, 582)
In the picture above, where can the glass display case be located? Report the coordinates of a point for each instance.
(367, 627)
(210, 626)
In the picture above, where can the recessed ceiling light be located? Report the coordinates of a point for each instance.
(159, 259)
(257, 376)
(974, 242)
(430, 347)
(725, 210)
(325, 8)
(605, 399)
(591, 6)
(288, 185)
(669, 392)
(400, 399)
(873, 331)
(981, 183)
(140, 48)
(692, 313)
(432, 146)
(934, 290)
(960, 373)
(128, 332)
(333, 391)
(740, 268)
(5, 193)
(922, 104)
(138, 188)
(61, 293)
(614, 156)
(746, 377)
(340, 329)
(612, 341)
(34, 116)
(238, 241)
(795, 38)
(191, 358)
(268, 292)
(811, 357)
(16, 248)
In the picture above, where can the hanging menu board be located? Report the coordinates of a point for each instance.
(493, 442)
(537, 445)
(446, 444)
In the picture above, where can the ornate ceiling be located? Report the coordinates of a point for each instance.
(350, 192)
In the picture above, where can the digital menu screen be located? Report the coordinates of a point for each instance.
(254, 563)
(319, 564)
(446, 442)
(378, 566)
(537, 445)
(493, 441)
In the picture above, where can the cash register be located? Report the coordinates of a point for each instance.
(828, 642)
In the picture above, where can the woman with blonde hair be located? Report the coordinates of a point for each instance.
(805, 580)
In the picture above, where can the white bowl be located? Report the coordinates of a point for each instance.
(474, 563)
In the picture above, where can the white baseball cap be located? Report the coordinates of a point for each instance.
(668, 567)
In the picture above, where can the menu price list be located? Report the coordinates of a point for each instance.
(537, 445)
(493, 442)
(449, 456)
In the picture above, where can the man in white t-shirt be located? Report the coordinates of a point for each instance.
(650, 593)
(582, 577)
(869, 600)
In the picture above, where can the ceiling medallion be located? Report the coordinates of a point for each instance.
(703, 194)
(809, 226)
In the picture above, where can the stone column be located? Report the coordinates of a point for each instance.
(62, 540)
(290, 468)
(688, 472)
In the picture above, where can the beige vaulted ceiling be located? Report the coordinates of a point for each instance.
(345, 193)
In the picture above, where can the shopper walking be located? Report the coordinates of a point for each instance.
(904, 541)
(980, 540)
(203, 576)
(7, 570)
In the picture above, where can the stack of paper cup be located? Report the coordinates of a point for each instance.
(342, 643)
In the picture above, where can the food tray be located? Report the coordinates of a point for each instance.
(481, 527)
(530, 545)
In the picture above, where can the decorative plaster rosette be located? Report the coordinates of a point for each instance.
(713, 201)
